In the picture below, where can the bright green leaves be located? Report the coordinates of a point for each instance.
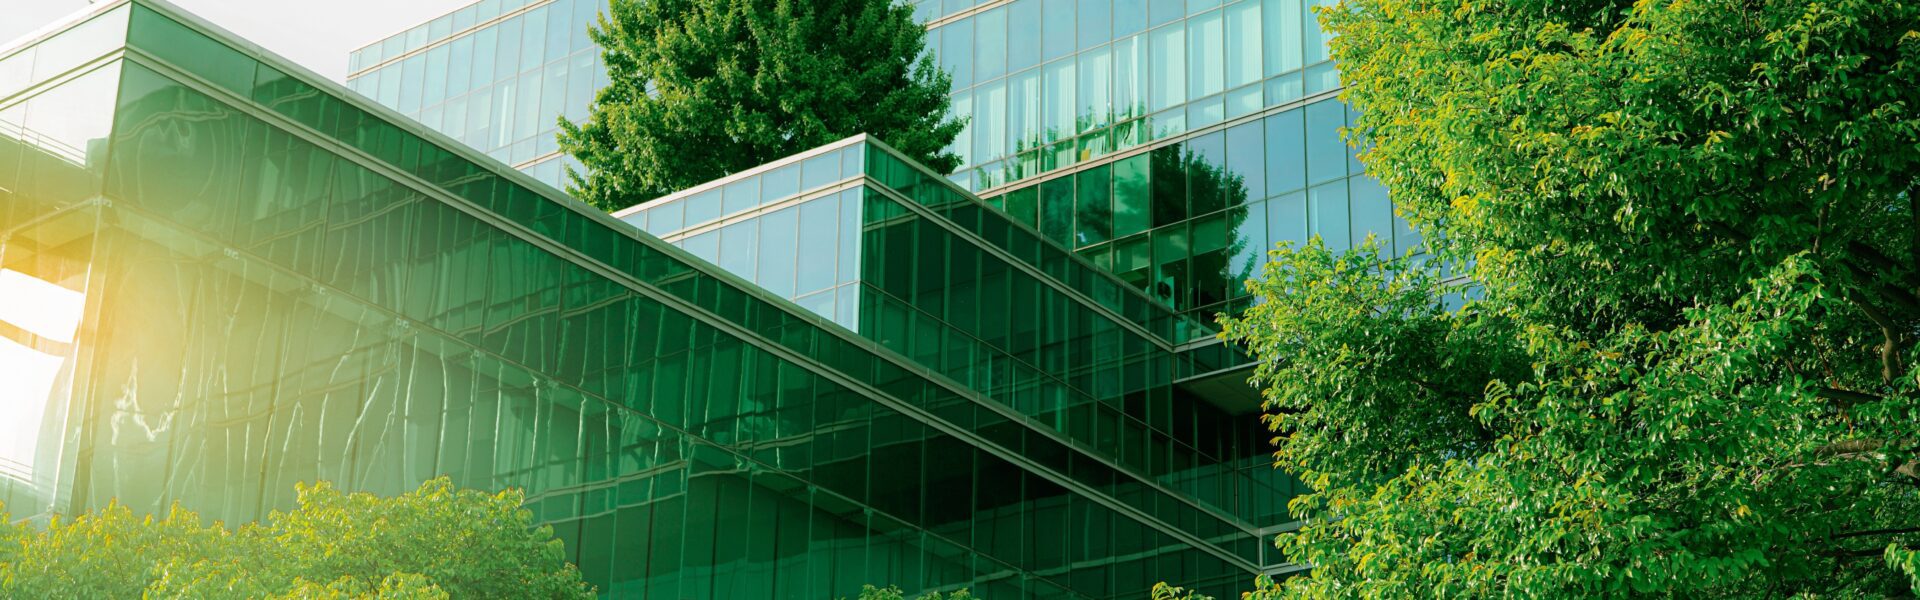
(703, 88)
(1690, 365)
(1365, 373)
(870, 592)
(434, 542)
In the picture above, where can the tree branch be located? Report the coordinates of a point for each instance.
(1847, 397)
(1888, 347)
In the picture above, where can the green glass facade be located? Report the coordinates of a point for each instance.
(224, 275)
(1170, 142)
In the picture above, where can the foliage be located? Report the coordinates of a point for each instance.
(434, 542)
(1686, 365)
(893, 593)
(703, 88)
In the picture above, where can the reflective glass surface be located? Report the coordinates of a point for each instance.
(298, 288)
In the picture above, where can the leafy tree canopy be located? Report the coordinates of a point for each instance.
(434, 542)
(703, 88)
(1687, 364)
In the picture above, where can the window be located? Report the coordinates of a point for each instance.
(1282, 38)
(1059, 23)
(1023, 35)
(1061, 106)
(1206, 70)
(1243, 52)
(1328, 214)
(956, 52)
(1246, 160)
(1095, 72)
(1056, 209)
(990, 47)
(1286, 151)
(1095, 212)
(1326, 153)
(1168, 72)
(1132, 196)
(1096, 22)
(778, 235)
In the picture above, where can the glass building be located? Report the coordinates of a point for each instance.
(1169, 142)
(221, 274)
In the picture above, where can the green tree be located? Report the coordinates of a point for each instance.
(1686, 365)
(434, 542)
(703, 88)
(870, 592)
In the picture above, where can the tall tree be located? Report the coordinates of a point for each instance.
(1687, 364)
(703, 88)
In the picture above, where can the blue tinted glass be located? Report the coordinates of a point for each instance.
(1286, 151)
(1327, 210)
(739, 248)
(780, 183)
(1096, 22)
(1023, 35)
(1326, 153)
(740, 195)
(818, 222)
(1059, 23)
(820, 170)
(956, 52)
(779, 232)
(990, 44)
(1129, 17)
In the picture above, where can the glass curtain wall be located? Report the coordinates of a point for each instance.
(286, 285)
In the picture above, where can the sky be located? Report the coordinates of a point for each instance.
(318, 34)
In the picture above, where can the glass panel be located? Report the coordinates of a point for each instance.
(1095, 213)
(1206, 65)
(1243, 52)
(1326, 153)
(1327, 210)
(1132, 196)
(1313, 33)
(1059, 21)
(412, 70)
(818, 222)
(1169, 180)
(990, 47)
(1129, 17)
(821, 170)
(1056, 209)
(1061, 106)
(1206, 181)
(1286, 151)
(740, 195)
(69, 49)
(989, 121)
(1095, 106)
(956, 52)
(1169, 69)
(1283, 38)
(739, 250)
(1096, 22)
(1024, 112)
(186, 49)
(1372, 213)
(1246, 163)
(1130, 77)
(1024, 205)
(779, 231)
(1023, 35)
